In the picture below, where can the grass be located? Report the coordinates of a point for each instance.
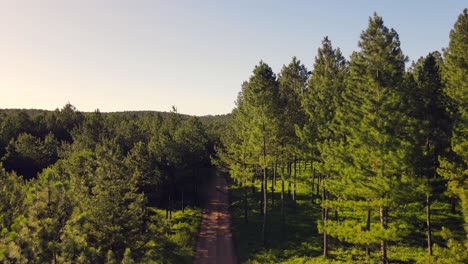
(176, 237)
(299, 237)
(302, 243)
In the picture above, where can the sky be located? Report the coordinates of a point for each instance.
(151, 55)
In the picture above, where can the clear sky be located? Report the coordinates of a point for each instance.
(150, 55)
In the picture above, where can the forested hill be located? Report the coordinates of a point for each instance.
(102, 187)
(33, 112)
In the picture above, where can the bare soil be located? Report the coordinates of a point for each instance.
(214, 242)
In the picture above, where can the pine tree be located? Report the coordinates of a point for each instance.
(260, 98)
(320, 103)
(434, 125)
(115, 211)
(144, 171)
(12, 195)
(50, 207)
(191, 142)
(91, 131)
(292, 86)
(28, 155)
(238, 156)
(369, 163)
(63, 121)
(323, 95)
(455, 167)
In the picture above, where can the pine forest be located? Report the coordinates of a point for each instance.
(349, 160)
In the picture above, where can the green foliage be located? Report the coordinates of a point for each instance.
(62, 122)
(373, 132)
(372, 138)
(12, 196)
(292, 87)
(369, 162)
(127, 258)
(101, 173)
(259, 99)
(172, 240)
(454, 167)
(115, 210)
(322, 99)
(28, 155)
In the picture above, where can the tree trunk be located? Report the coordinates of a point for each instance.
(273, 182)
(368, 219)
(289, 179)
(318, 185)
(183, 208)
(428, 222)
(313, 183)
(294, 183)
(276, 168)
(453, 203)
(264, 206)
(324, 218)
(383, 243)
(168, 206)
(283, 218)
(428, 200)
(246, 205)
(261, 194)
(264, 193)
(253, 181)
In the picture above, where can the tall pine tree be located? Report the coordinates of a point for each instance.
(369, 162)
(455, 167)
(433, 124)
(320, 104)
(260, 99)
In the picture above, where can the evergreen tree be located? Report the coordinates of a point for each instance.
(11, 198)
(260, 98)
(191, 142)
(292, 86)
(143, 171)
(115, 211)
(320, 104)
(28, 155)
(91, 131)
(455, 167)
(238, 155)
(430, 110)
(50, 206)
(371, 158)
(63, 121)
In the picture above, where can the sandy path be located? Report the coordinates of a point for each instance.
(214, 241)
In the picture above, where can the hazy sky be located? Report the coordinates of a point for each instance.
(150, 55)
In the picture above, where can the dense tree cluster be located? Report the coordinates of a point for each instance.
(380, 140)
(378, 144)
(85, 187)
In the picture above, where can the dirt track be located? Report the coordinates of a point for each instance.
(214, 241)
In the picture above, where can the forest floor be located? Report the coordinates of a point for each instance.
(300, 241)
(214, 242)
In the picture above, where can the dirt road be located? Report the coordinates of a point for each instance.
(214, 241)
